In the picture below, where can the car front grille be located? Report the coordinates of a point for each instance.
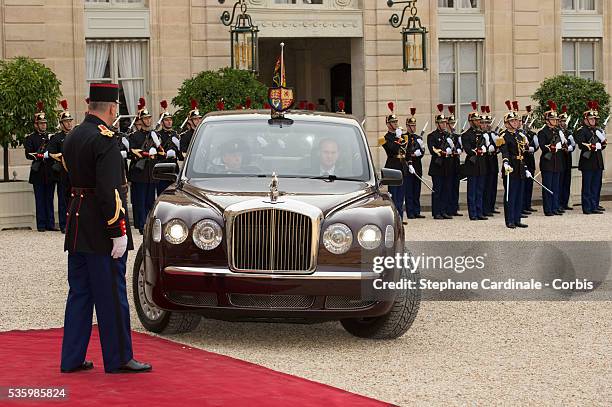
(271, 301)
(342, 302)
(271, 240)
(193, 298)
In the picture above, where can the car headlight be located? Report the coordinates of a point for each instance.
(338, 238)
(207, 234)
(176, 231)
(369, 237)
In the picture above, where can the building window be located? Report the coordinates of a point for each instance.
(579, 5)
(580, 58)
(458, 4)
(461, 76)
(120, 61)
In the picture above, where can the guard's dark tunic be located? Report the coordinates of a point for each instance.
(551, 158)
(441, 164)
(97, 207)
(591, 159)
(186, 140)
(55, 148)
(476, 161)
(396, 153)
(35, 146)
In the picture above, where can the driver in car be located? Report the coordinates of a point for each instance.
(233, 157)
(328, 157)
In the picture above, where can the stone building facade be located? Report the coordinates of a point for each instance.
(489, 50)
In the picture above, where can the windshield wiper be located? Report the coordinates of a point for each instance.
(331, 178)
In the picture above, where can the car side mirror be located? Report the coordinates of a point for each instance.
(164, 172)
(390, 177)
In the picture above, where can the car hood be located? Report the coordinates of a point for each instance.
(223, 192)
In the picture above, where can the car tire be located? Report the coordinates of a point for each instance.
(396, 322)
(155, 319)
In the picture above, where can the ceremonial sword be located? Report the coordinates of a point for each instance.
(540, 184)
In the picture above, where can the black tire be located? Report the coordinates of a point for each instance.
(396, 322)
(155, 319)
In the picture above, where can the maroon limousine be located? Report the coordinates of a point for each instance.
(273, 219)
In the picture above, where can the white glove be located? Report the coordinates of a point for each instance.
(597, 146)
(420, 141)
(558, 146)
(46, 154)
(563, 139)
(494, 137)
(483, 149)
(531, 150)
(171, 154)
(507, 168)
(123, 154)
(418, 153)
(570, 148)
(600, 135)
(398, 133)
(152, 151)
(119, 246)
(176, 142)
(411, 169)
(491, 148)
(155, 138)
(486, 137)
(536, 142)
(571, 139)
(448, 150)
(125, 142)
(450, 142)
(459, 151)
(528, 174)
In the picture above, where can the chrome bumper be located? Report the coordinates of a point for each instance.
(317, 275)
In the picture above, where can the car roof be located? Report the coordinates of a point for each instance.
(302, 115)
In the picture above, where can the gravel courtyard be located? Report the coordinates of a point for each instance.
(460, 352)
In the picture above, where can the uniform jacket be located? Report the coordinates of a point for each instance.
(513, 146)
(551, 158)
(185, 140)
(529, 156)
(171, 142)
(36, 144)
(441, 163)
(55, 149)
(97, 209)
(396, 153)
(415, 143)
(141, 166)
(476, 161)
(491, 157)
(590, 158)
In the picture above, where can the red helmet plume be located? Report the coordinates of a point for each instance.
(311, 106)
(440, 107)
(248, 102)
(483, 109)
(474, 105)
(451, 109)
(391, 106)
(64, 104)
(239, 107)
(221, 105)
(142, 103)
(564, 109)
(194, 104)
(341, 105)
(302, 105)
(552, 105)
(40, 105)
(412, 111)
(596, 105)
(508, 105)
(488, 109)
(528, 108)
(515, 105)
(267, 106)
(164, 104)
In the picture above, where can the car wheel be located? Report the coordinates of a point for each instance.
(396, 322)
(153, 318)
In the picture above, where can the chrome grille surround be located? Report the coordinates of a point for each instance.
(273, 246)
(264, 301)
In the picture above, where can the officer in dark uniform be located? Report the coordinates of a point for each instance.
(551, 160)
(513, 144)
(591, 141)
(441, 166)
(490, 187)
(415, 148)
(604, 143)
(170, 143)
(41, 178)
(193, 121)
(529, 161)
(145, 148)
(394, 144)
(568, 144)
(59, 172)
(475, 167)
(457, 169)
(97, 237)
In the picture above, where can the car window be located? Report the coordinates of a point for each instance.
(257, 148)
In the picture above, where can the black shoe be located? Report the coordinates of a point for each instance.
(438, 217)
(404, 222)
(525, 212)
(521, 225)
(532, 209)
(473, 218)
(568, 208)
(496, 211)
(419, 216)
(87, 365)
(42, 230)
(597, 212)
(489, 214)
(141, 231)
(133, 366)
(411, 216)
(445, 216)
(524, 216)
(561, 210)
(557, 213)
(601, 208)
(587, 213)
(63, 231)
(511, 226)
(53, 229)
(456, 214)
(482, 218)
(549, 214)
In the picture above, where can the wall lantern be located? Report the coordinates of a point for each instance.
(414, 37)
(243, 38)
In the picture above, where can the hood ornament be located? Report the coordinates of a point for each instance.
(274, 188)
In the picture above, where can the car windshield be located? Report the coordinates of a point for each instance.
(303, 149)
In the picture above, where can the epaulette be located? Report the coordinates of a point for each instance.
(105, 131)
(501, 140)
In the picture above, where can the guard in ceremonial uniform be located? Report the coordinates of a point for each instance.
(457, 169)
(551, 160)
(476, 147)
(193, 121)
(97, 237)
(59, 172)
(415, 148)
(568, 145)
(513, 144)
(490, 187)
(170, 144)
(41, 178)
(441, 166)
(395, 145)
(529, 161)
(145, 148)
(591, 141)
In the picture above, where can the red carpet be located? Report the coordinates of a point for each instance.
(182, 376)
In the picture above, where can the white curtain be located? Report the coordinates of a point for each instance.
(129, 56)
(96, 59)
